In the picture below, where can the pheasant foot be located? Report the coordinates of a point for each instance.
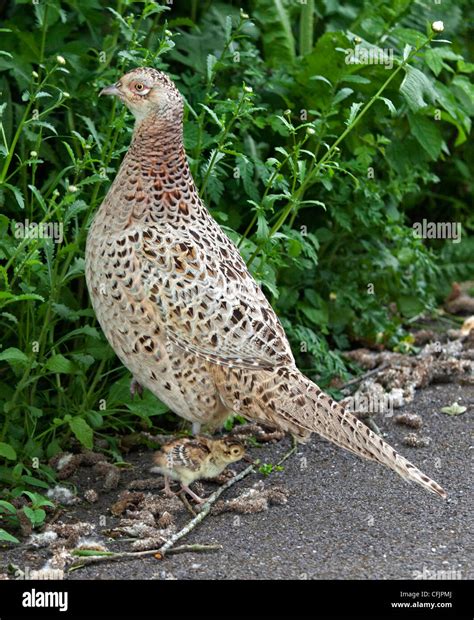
(136, 388)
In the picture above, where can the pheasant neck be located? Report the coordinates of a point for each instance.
(155, 179)
(158, 141)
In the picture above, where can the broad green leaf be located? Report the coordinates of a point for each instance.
(13, 354)
(427, 133)
(82, 431)
(417, 89)
(7, 451)
(58, 363)
(409, 305)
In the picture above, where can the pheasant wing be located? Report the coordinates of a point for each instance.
(209, 302)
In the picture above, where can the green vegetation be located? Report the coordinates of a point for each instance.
(316, 167)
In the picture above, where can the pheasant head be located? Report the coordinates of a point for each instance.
(228, 450)
(148, 93)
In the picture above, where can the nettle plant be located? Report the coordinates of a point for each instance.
(315, 158)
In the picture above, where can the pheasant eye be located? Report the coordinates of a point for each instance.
(139, 87)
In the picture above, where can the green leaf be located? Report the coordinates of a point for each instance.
(58, 363)
(417, 89)
(13, 298)
(13, 354)
(315, 315)
(409, 305)
(45, 125)
(355, 107)
(35, 191)
(82, 431)
(7, 537)
(211, 61)
(17, 193)
(35, 482)
(92, 128)
(355, 79)
(390, 106)
(341, 95)
(7, 506)
(213, 115)
(427, 133)
(454, 409)
(7, 451)
(95, 418)
(278, 41)
(35, 515)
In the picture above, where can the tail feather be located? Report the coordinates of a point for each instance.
(290, 400)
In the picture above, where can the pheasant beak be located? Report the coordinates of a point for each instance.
(110, 90)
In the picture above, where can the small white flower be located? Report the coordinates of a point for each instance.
(33, 154)
(61, 60)
(66, 94)
(357, 40)
(310, 131)
(168, 33)
(248, 89)
(72, 189)
(34, 74)
(437, 26)
(244, 15)
(287, 112)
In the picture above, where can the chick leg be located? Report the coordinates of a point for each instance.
(196, 428)
(198, 499)
(168, 491)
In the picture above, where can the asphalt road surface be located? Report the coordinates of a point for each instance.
(345, 518)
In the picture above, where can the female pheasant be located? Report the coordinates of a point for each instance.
(178, 305)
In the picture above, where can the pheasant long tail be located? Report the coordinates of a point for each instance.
(299, 406)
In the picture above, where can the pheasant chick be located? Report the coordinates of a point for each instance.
(195, 458)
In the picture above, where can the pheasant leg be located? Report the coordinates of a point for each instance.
(198, 499)
(136, 388)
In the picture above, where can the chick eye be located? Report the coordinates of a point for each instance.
(139, 87)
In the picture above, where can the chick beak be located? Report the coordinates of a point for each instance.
(110, 90)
